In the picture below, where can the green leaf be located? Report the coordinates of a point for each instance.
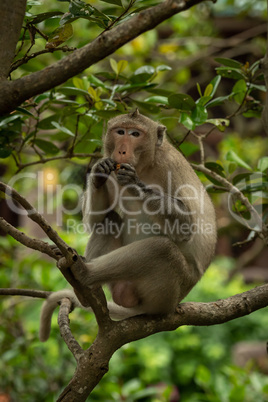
(115, 2)
(208, 90)
(80, 9)
(239, 91)
(25, 111)
(121, 66)
(203, 101)
(187, 121)
(221, 124)
(157, 99)
(217, 101)
(215, 83)
(233, 157)
(163, 67)
(114, 66)
(240, 177)
(199, 115)
(7, 120)
(60, 35)
(147, 107)
(69, 91)
(263, 164)
(199, 89)
(39, 98)
(78, 83)
(95, 81)
(87, 145)
(145, 70)
(182, 102)
(229, 62)
(232, 166)
(45, 124)
(61, 128)
(5, 152)
(259, 87)
(142, 74)
(256, 111)
(46, 146)
(230, 73)
(43, 16)
(215, 167)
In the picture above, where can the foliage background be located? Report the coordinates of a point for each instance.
(192, 363)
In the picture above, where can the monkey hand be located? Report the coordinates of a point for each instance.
(127, 176)
(101, 171)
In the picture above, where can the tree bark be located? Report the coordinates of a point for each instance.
(11, 19)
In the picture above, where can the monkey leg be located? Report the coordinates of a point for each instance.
(105, 236)
(156, 269)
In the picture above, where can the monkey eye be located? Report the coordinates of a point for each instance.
(120, 131)
(135, 133)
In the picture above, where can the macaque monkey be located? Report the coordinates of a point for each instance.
(152, 223)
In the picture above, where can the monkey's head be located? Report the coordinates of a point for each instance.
(133, 138)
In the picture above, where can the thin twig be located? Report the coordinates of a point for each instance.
(64, 325)
(41, 294)
(263, 229)
(54, 158)
(27, 241)
(26, 58)
(36, 217)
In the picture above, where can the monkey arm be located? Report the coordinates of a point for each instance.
(155, 202)
(96, 200)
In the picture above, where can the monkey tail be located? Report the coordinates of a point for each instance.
(120, 313)
(48, 308)
(116, 312)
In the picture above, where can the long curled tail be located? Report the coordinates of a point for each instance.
(51, 303)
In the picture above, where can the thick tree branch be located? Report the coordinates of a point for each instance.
(11, 19)
(15, 92)
(93, 363)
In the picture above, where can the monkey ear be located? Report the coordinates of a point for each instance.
(135, 113)
(161, 130)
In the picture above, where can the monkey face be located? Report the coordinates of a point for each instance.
(127, 144)
(134, 139)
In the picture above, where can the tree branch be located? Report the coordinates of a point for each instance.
(93, 363)
(15, 92)
(41, 294)
(27, 241)
(36, 217)
(63, 321)
(263, 229)
(68, 155)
